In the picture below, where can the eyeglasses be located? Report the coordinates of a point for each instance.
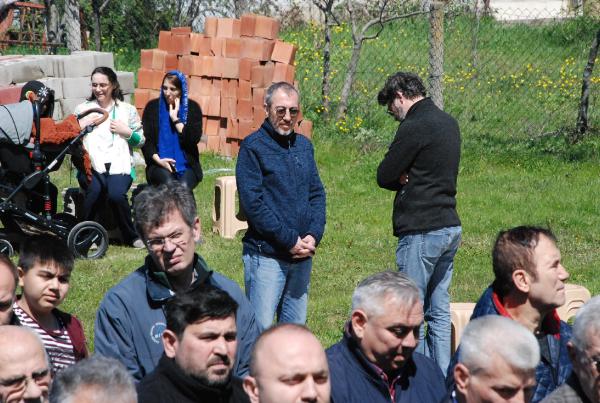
(176, 238)
(595, 363)
(280, 111)
(39, 377)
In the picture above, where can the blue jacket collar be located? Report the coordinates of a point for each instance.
(158, 287)
(284, 141)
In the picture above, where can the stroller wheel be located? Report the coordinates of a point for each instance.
(88, 240)
(6, 248)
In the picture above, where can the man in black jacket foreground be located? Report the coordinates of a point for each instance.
(421, 166)
(200, 344)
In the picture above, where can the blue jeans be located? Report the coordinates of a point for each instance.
(428, 259)
(276, 286)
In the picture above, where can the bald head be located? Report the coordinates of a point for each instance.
(288, 365)
(24, 367)
(8, 288)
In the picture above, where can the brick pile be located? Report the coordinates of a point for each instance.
(228, 67)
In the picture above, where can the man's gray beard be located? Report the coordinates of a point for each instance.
(279, 131)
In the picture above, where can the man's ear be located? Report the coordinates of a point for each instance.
(266, 109)
(251, 388)
(170, 343)
(522, 280)
(358, 321)
(461, 378)
(572, 352)
(400, 96)
(21, 273)
(197, 229)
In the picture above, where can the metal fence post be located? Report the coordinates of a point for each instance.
(436, 52)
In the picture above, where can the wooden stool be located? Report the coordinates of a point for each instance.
(225, 220)
(576, 296)
(460, 314)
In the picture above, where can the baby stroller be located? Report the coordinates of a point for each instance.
(87, 239)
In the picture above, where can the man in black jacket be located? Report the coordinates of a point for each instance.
(421, 165)
(200, 344)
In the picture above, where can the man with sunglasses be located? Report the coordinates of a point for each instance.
(131, 318)
(24, 367)
(284, 201)
(583, 386)
(421, 166)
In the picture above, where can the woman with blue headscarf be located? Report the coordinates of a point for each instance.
(172, 126)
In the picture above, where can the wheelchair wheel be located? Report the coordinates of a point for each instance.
(6, 248)
(88, 240)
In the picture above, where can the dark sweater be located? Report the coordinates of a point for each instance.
(168, 383)
(427, 147)
(188, 139)
(280, 191)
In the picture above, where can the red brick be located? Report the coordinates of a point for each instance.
(233, 126)
(258, 115)
(10, 95)
(305, 128)
(215, 89)
(212, 126)
(213, 141)
(216, 46)
(200, 85)
(257, 48)
(283, 52)
(284, 72)
(246, 68)
(258, 97)
(141, 97)
(180, 44)
(210, 26)
(164, 40)
(140, 111)
(202, 146)
(229, 107)
(228, 28)
(181, 30)
(245, 90)
(268, 70)
(206, 66)
(244, 109)
(230, 67)
(247, 24)
(153, 59)
(258, 76)
(266, 27)
(232, 47)
(203, 101)
(244, 128)
(190, 65)
(234, 145)
(199, 44)
(230, 89)
(171, 62)
(150, 79)
(214, 106)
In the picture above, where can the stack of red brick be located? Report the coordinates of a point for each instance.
(228, 68)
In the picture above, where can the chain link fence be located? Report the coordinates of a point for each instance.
(509, 74)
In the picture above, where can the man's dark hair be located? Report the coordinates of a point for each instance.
(117, 93)
(513, 250)
(283, 86)
(154, 203)
(5, 261)
(409, 84)
(197, 303)
(45, 250)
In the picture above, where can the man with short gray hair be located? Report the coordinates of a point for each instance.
(94, 380)
(583, 386)
(284, 201)
(375, 361)
(497, 362)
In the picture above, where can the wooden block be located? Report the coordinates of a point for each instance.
(258, 97)
(171, 62)
(266, 27)
(283, 52)
(229, 89)
(212, 126)
(232, 47)
(153, 59)
(180, 44)
(230, 67)
(244, 128)
(247, 24)
(246, 68)
(164, 40)
(284, 72)
(142, 96)
(244, 109)
(181, 30)
(210, 26)
(228, 28)
(304, 127)
(245, 90)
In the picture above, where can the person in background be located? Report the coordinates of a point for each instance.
(110, 148)
(173, 127)
(9, 279)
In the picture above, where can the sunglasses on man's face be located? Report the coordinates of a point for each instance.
(280, 111)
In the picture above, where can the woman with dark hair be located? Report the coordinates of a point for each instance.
(110, 148)
(173, 126)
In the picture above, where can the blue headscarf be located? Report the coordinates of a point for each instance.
(168, 138)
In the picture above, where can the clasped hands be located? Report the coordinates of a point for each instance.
(305, 247)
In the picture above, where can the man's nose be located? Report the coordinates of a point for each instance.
(309, 390)
(563, 274)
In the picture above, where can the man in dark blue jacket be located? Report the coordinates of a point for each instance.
(375, 361)
(529, 285)
(131, 318)
(284, 201)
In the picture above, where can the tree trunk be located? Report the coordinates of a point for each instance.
(325, 88)
(436, 53)
(97, 33)
(582, 118)
(72, 26)
(352, 66)
(52, 28)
